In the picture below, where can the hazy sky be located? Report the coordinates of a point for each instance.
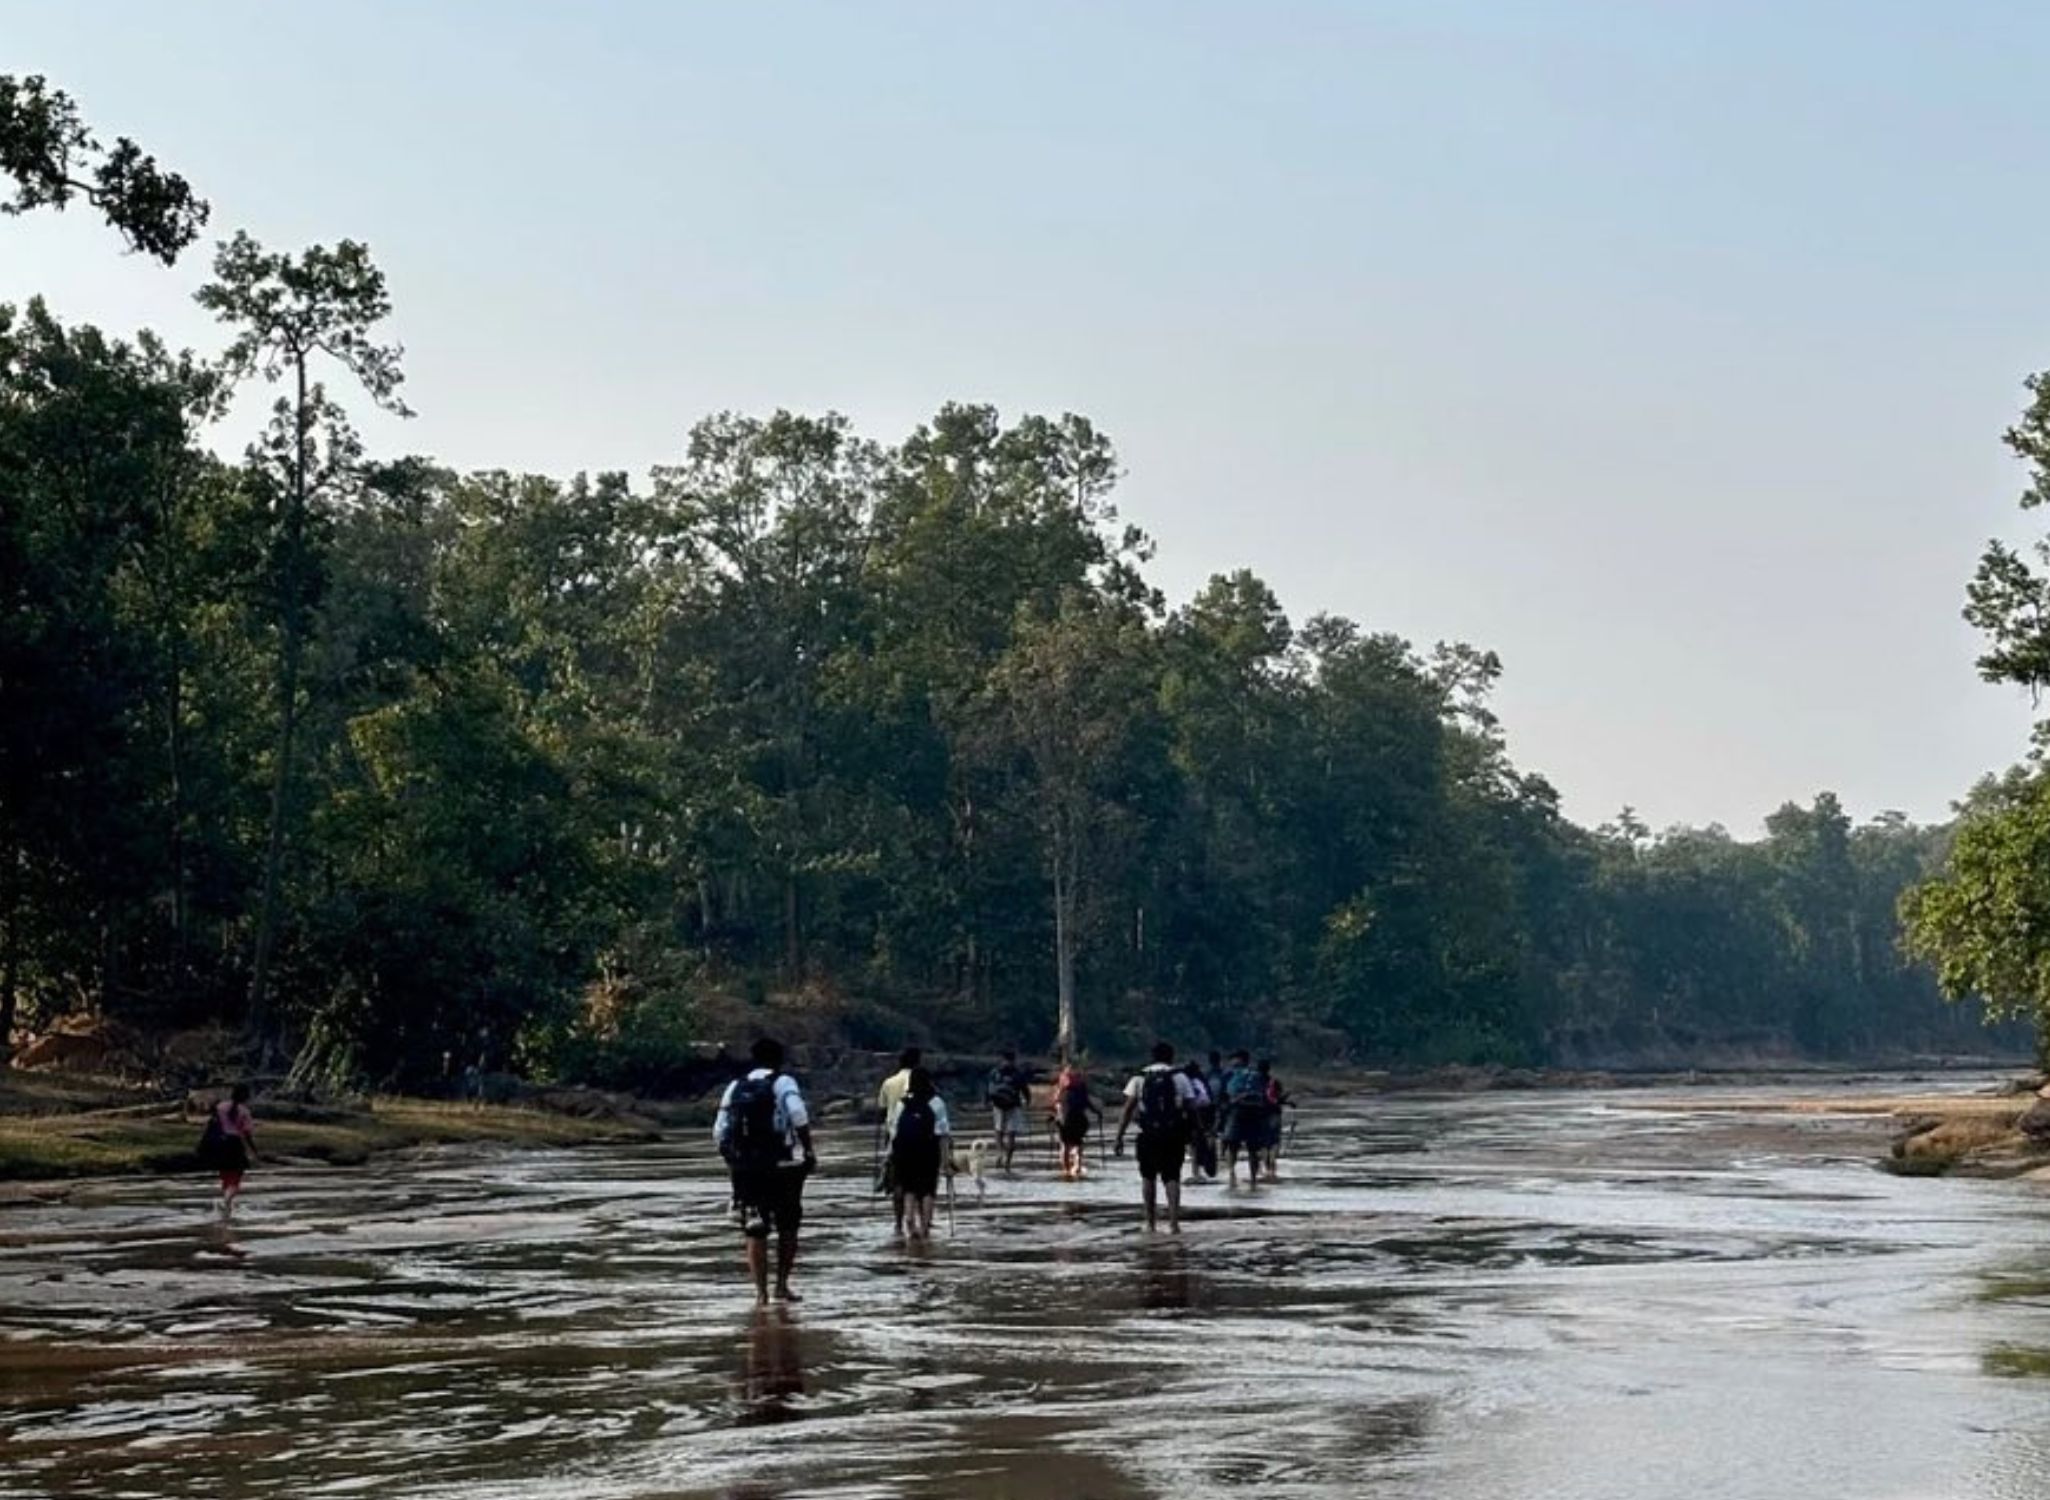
(1664, 348)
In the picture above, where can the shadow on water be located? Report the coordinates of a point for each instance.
(1518, 1298)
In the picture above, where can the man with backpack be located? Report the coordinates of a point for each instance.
(1161, 1100)
(1245, 1109)
(1008, 1094)
(764, 1132)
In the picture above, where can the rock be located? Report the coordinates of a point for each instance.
(2036, 1123)
(89, 1045)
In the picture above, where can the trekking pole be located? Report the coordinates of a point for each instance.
(950, 1204)
(1102, 1151)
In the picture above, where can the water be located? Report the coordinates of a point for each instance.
(1576, 1295)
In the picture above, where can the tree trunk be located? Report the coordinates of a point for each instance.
(1064, 948)
(289, 630)
(174, 708)
(793, 939)
(10, 955)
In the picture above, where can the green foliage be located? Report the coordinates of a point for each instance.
(1985, 922)
(46, 148)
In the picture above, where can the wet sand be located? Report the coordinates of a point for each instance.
(1532, 1295)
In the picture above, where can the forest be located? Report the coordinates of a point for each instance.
(867, 737)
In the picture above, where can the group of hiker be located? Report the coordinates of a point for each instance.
(1236, 1107)
(1178, 1118)
(1170, 1113)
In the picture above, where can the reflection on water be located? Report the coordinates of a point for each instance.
(772, 1374)
(1546, 1295)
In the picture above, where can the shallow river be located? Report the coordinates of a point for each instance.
(1573, 1295)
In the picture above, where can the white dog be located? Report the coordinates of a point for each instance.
(978, 1156)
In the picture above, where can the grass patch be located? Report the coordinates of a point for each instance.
(2018, 1362)
(51, 1146)
(2016, 1289)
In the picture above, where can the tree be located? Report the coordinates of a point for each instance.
(1984, 922)
(93, 438)
(53, 158)
(285, 312)
(1071, 697)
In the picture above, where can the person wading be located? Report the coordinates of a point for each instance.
(764, 1132)
(1161, 1100)
(1274, 1100)
(890, 1098)
(229, 1145)
(921, 1149)
(1008, 1095)
(1243, 1109)
(1072, 1108)
(1203, 1134)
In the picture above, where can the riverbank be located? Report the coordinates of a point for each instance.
(1994, 1135)
(54, 1130)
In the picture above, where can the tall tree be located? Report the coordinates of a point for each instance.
(287, 312)
(1071, 696)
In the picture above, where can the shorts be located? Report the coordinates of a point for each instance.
(1074, 1130)
(1009, 1121)
(1255, 1129)
(1162, 1156)
(231, 1160)
(772, 1197)
(917, 1172)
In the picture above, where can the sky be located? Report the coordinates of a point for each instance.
(1664, 348)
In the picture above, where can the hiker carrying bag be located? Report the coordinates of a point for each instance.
(1160, 1105)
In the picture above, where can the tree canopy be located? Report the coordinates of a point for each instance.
(887, 737)
(53, 158)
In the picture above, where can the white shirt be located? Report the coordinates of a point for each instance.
(791, 1115)
(890, 1098)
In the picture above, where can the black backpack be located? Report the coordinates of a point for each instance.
(212, 1140)
(1160, 1103)
(918, 1128)
(753, 1137)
